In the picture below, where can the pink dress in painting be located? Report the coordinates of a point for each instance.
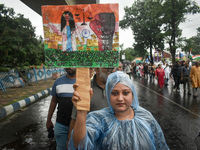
(160, 73)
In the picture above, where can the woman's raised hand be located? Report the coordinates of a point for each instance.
(76, 96)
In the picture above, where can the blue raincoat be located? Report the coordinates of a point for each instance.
(105, 132)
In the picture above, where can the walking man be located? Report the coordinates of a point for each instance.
(176, 72)
(145, 70)
(185, 76)
(195, 78)
(62, 92)
(167, 73)
(163, 65)
(128, 70)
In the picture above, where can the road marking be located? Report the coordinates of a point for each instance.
(169, 100)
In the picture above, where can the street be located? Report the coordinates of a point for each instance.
(177, 114)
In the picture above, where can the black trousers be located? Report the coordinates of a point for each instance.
(186, 81)
(177, 82)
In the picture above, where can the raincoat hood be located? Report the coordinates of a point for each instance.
(120, 77)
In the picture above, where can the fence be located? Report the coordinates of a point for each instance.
(12, 79)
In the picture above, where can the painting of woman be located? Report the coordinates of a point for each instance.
(67, 28)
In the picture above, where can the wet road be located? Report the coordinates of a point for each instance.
(178, 116)
(26, 129)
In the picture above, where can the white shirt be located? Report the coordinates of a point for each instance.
(163, 66)
(167, 69)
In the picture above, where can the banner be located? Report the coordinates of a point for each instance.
(81, 35)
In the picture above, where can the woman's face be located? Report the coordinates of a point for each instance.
(121, 98)
(66, 17)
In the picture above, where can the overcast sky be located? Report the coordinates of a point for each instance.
(126, 37)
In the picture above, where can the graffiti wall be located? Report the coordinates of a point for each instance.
(81, 35)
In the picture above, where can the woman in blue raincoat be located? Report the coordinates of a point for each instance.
(124, 125)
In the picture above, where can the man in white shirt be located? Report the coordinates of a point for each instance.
(167, 73)
(163, 65)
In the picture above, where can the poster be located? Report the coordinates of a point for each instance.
(81, 35)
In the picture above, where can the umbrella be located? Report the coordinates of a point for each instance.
(138, 61)
(126, 61)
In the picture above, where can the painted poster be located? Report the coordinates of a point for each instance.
(81, 35)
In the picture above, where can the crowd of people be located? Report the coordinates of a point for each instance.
(115, 116)
(182, 72)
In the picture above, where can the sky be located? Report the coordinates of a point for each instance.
(126, 36)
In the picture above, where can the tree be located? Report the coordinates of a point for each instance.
(122, 51)
(144, 19)
(130, 53)
(18, 43)
(173, 14)
(193, 43)
(156, 21)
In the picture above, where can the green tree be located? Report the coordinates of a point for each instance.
(193, 43)
(18, 43)
(156, 21)
(174, 12)
(140, 51)
(122, 51)
(131, 53)
(128, 54)
(144, 18)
